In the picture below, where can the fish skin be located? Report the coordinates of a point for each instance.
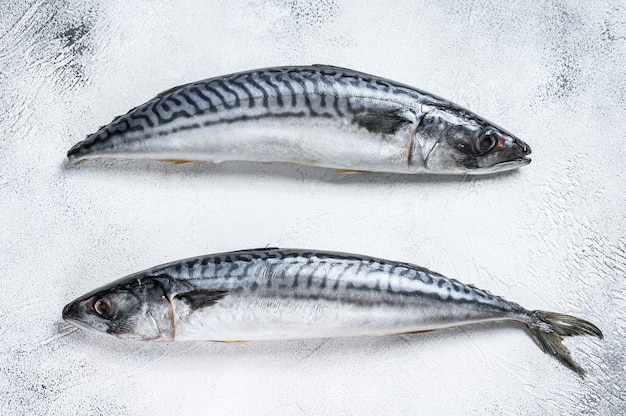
(314, 115)
(273, 294)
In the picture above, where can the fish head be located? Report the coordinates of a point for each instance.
(135, 308)
(460, 142)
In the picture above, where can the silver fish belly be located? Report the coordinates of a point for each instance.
(314, 115)
(272, 294)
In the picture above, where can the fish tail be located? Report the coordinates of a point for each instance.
(549, 328)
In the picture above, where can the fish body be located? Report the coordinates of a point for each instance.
(313, 115)
(274, 294)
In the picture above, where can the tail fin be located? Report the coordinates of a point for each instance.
(549, 328)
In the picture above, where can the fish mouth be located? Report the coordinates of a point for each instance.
(511, 164)
(69, 314)
(72, 316)
(75, 321)
(524, 147)
(505, 166)
(67, 310)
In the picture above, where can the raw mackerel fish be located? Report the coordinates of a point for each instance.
(274, 294)
(313, 115)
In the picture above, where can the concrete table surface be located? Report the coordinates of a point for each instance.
(550, 236)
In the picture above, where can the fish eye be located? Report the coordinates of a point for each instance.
(486, 142)
(104, 308)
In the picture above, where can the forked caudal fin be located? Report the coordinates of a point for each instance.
(549, 328)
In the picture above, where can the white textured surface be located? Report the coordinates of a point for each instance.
(550, 236)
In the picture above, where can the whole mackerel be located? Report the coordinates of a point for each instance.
(273, 294)
(314, 115)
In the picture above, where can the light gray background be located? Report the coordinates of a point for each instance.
(549, 236)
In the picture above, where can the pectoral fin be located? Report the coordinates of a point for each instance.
(198, 299)
(386, 122)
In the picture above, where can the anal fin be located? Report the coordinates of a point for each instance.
(347, 171)
(178, 162)
(416, 332)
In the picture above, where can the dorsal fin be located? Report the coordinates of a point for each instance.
(167, 91)
(332, 67)
(255, 249)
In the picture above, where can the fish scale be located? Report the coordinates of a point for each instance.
(314, 115)
(232, 92)
(299, 283)
(322, 274)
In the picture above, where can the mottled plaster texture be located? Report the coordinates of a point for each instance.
(549, 236)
